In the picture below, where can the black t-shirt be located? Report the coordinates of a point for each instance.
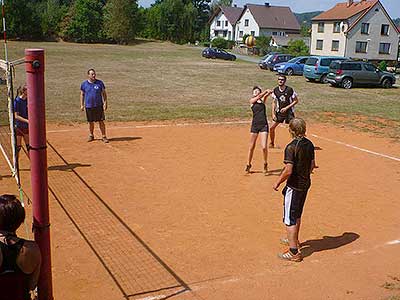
(259, 113)
(299, 153)
(283, 98)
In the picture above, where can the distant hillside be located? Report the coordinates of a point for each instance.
(305, 18)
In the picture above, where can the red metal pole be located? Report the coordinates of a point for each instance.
(34, 66)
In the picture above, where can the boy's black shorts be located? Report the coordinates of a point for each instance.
(293, 204)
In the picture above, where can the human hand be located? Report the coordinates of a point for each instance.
(283, 110)
(105, 106)
(276, 186)
(82, 108)
(274, 118)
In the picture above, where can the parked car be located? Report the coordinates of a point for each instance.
(316, 68)
(262, 61)
(294, 66)
(351, 73)
(217, 53)
(274, 59)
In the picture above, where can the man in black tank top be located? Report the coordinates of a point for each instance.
(284, 100)
(299, 163)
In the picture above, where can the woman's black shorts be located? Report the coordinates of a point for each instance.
(95, 114)
(255, 128)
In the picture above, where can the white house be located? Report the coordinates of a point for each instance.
(359, 30)
(223, 22)
(267, 20)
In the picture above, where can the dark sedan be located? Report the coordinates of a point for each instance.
(217, 53)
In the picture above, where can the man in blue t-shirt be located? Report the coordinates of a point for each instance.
(94, 101)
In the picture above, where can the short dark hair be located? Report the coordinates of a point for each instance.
(257, 88)
(282, 76)
(12, 214)
(88, 71)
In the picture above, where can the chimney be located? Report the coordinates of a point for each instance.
(350, 3)
(267, 4)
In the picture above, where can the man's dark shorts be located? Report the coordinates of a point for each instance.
(95, 114)
(293, 204)
(280, 118)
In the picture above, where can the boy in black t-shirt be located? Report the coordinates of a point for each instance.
(284, 100)
(299, 163)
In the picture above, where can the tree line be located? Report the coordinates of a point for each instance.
(119, 21)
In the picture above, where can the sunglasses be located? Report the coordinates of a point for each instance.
(281, 79)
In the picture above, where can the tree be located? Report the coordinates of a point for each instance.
(298, 48)
(203, 14)
(52, 13)
(217, 3)
(120, 18)
(84, 22)
(23, 20)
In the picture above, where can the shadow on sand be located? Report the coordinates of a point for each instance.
(327, 243)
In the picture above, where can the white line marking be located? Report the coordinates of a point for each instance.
(153, 297)
(227, 123)
(395, 242)
(158, 126)
(357, 148)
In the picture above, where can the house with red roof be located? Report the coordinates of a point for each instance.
(356, 29)
(223, 22)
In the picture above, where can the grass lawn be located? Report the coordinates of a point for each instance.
(163, 81)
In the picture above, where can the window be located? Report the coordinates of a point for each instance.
(351, 67)
(246, 22)
(370, 68)
(218, 23)
(336, 27)
(325, 62)
(321, 26)
(384, 48)
(361, 47)
(240, 34)
(364, 28)
(226, 23)
(335, 45)
(253, 33)
(385, 29)
(320, 44)
(224, 33)
(274, 33)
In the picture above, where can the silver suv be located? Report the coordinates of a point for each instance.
(350, 73)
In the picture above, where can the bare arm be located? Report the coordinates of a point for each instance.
(260, 96)
(104, 93)
(273, 110)
(19, 118)
(82, 99)
(294, 102)
(287, 171)
(29, 260)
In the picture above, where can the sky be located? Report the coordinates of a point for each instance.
(299, 6)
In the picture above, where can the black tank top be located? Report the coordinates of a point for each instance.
(13, 282)
(259, 114)
(284, 98)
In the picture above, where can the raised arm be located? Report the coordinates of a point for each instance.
(264, 95)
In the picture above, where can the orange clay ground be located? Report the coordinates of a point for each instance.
(167, 211)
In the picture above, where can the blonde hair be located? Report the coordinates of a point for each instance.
(297, 127)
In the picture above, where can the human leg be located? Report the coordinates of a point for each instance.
(26, 141)
(91, 130)
(253, 140)
(264, 147)
(102, 127)
(272, 134)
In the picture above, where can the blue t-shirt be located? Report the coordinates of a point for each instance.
(93, 93)
(21, 107)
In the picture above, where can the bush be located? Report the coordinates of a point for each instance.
(382, 66)
(220, 42)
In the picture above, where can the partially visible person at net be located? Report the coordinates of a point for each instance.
(94, 101)
(21, 118)
(19, 259)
